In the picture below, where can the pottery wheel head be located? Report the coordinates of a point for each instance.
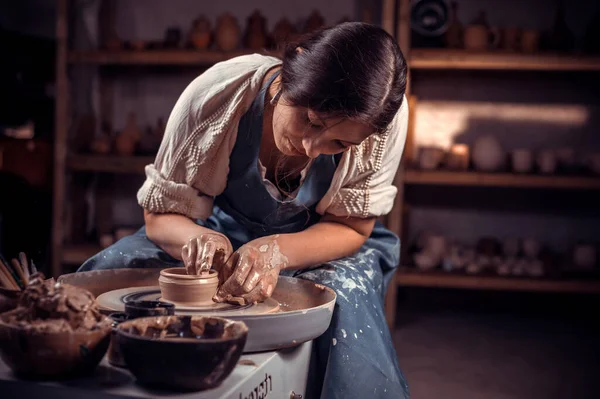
(114, 301)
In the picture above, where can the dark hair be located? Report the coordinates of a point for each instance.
(353, 70)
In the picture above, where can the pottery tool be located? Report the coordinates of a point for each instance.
(25, 265)
(6, 278)
(20, 272)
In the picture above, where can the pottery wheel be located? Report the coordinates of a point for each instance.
(304, 308)
(114, 301)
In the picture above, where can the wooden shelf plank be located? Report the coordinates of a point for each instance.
(77, 254)
(158, 57)
(440, 177)
(109, 163)
(463, 59)
(438, 279)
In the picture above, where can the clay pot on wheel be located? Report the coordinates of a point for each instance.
(178, 287)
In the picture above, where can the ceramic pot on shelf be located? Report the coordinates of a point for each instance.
(454, 34)
(479, 36)
(127, 140)
(488, 154)
(546, 161)
(530, 41)
(200, 35)
(315, 21)
(522, 160)
(511, 38)
(283, 32)
(255, 37)
(227, 32)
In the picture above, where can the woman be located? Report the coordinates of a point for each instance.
(275, 167)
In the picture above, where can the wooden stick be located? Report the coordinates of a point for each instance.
(14, 274)
(24, 267)
(6, 279)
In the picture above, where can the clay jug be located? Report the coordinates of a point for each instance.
(478, 35)
(255, 37)
(199, 35)
(283, 32)
(227, 33)
(454, 34)
(129, 136)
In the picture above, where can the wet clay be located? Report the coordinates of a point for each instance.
(50, 307)
(178, 287)
(184, 328)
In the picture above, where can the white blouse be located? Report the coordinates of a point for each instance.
(192, 164)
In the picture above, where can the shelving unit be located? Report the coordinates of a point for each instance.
(158, 57)
(500, 60)
(435, 59)
(479, 179)
(439, 279)
(108, 163)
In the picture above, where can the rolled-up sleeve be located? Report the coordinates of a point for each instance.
(192, 163)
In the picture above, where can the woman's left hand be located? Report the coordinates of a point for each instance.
(254, 270)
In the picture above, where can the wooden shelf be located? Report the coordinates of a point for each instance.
(158, 57)
(500, 180)
(463, 59)
(439, 279)
(109, 163)
(77, 254)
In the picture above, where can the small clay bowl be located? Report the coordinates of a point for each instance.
(182, 353)
(9, 299)
(43, 355)
(136, 309)
(178, 287)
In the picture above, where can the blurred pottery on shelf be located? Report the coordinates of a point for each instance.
(227, 33)
(488, 154)
(522, 160)
(458, 157)
(200, 35)
(546, 161)
(430, 158)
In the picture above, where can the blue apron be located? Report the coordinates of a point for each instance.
(355, 357)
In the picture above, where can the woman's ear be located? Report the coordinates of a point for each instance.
(299, 50)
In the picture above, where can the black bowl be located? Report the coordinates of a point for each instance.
(135, 309)
(184, 353)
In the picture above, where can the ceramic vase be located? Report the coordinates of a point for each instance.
(227, 33)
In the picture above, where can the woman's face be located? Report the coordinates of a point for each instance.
(299, 131)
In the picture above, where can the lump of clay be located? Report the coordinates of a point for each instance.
(47, 306)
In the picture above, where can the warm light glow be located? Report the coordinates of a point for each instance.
(440, 122)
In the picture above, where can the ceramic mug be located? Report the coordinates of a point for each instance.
(522, 160)
(480, 37)
(546, 161)
(430, 157)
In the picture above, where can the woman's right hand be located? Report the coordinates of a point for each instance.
(209, 250)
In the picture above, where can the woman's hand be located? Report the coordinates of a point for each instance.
(205, 251)
(251, 273)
